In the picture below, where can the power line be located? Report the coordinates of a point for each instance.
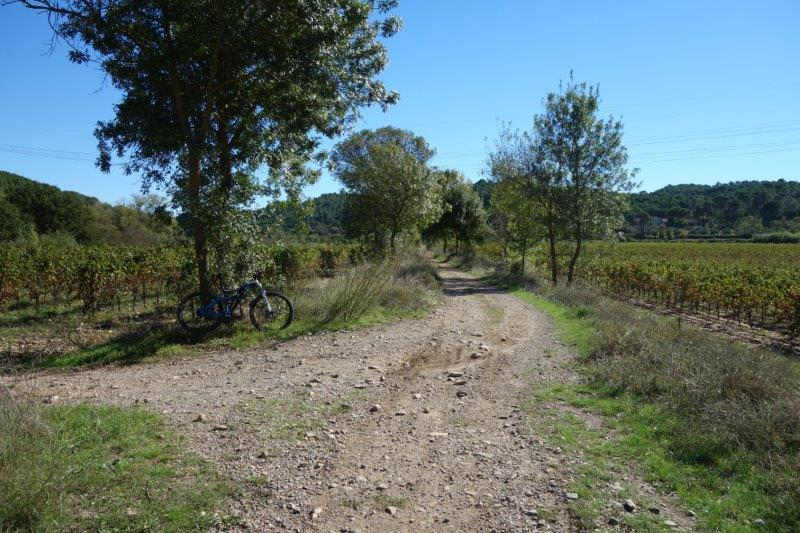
(717, 156)
(723, 134)
(49, 153)
(707, 149)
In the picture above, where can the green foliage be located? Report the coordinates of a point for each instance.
(29, 209)
(47, 208)
(567, 172)
(725, 209)
(211, 92)
(463, 219)
(327, 219)
(484, 189)
(782, 237)
(517, 219)
(90, 468)
(585, 156)
(392, 190)
(12, 224)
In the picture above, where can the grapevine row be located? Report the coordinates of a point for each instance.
(753, 284)
(101, 276)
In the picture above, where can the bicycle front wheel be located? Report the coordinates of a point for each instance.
(273, 313)
(190, 319)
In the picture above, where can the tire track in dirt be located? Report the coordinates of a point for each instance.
(448, 449)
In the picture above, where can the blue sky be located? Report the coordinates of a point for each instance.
(707, 90)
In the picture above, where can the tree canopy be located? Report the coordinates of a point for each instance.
(572, 166)
(392, 189)
(214, 90)
(462, 218)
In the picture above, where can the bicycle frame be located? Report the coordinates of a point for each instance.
(229, 299)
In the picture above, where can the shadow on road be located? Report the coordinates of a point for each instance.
(460, 286)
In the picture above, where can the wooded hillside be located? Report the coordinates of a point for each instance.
(738, 208)
(29, 209)
(742, 209)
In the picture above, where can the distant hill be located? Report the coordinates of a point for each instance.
(29, 208)
(739, 208)
(742, 209)
(324, 217)
(328, 216)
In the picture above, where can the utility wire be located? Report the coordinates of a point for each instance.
(49, 153)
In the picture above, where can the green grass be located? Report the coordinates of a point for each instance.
(728, 493)
(91, 468)
(573, 324)
(603, 461)
(382, 500)
(494, 312)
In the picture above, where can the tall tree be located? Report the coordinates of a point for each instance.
(462, 218)
(392, 189)
(213, 90)
(520, 221)
(586, 154)
(528, 194)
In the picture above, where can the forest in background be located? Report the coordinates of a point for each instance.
(745, 210)
(29, 209)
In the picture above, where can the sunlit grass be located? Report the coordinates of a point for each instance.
(91, 468)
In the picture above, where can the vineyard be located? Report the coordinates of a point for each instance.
(108, 276)
(754, 284)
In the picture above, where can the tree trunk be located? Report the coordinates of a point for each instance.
(575, 255)
(201, 258)
(551, 237)
(391, 241)
(198, 228)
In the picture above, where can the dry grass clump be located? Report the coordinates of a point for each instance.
(738, 396)
(405, 283)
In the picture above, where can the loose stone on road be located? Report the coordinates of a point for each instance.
(412, 426)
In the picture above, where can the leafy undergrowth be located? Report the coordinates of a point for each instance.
(714, 421)
(363, 296)
(91, 468)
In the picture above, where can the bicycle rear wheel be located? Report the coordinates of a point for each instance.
(191, 321)
(278, 315)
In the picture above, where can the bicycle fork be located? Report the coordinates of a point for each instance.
(266, 301)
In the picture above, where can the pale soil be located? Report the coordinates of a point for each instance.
(446, 462)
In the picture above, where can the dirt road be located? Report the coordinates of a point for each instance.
(413, 426)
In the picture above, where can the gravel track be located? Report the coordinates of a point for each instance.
(412, 426)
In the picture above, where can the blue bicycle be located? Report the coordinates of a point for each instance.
(269, 310)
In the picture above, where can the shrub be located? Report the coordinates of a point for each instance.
(728, 406)
(406, 283)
